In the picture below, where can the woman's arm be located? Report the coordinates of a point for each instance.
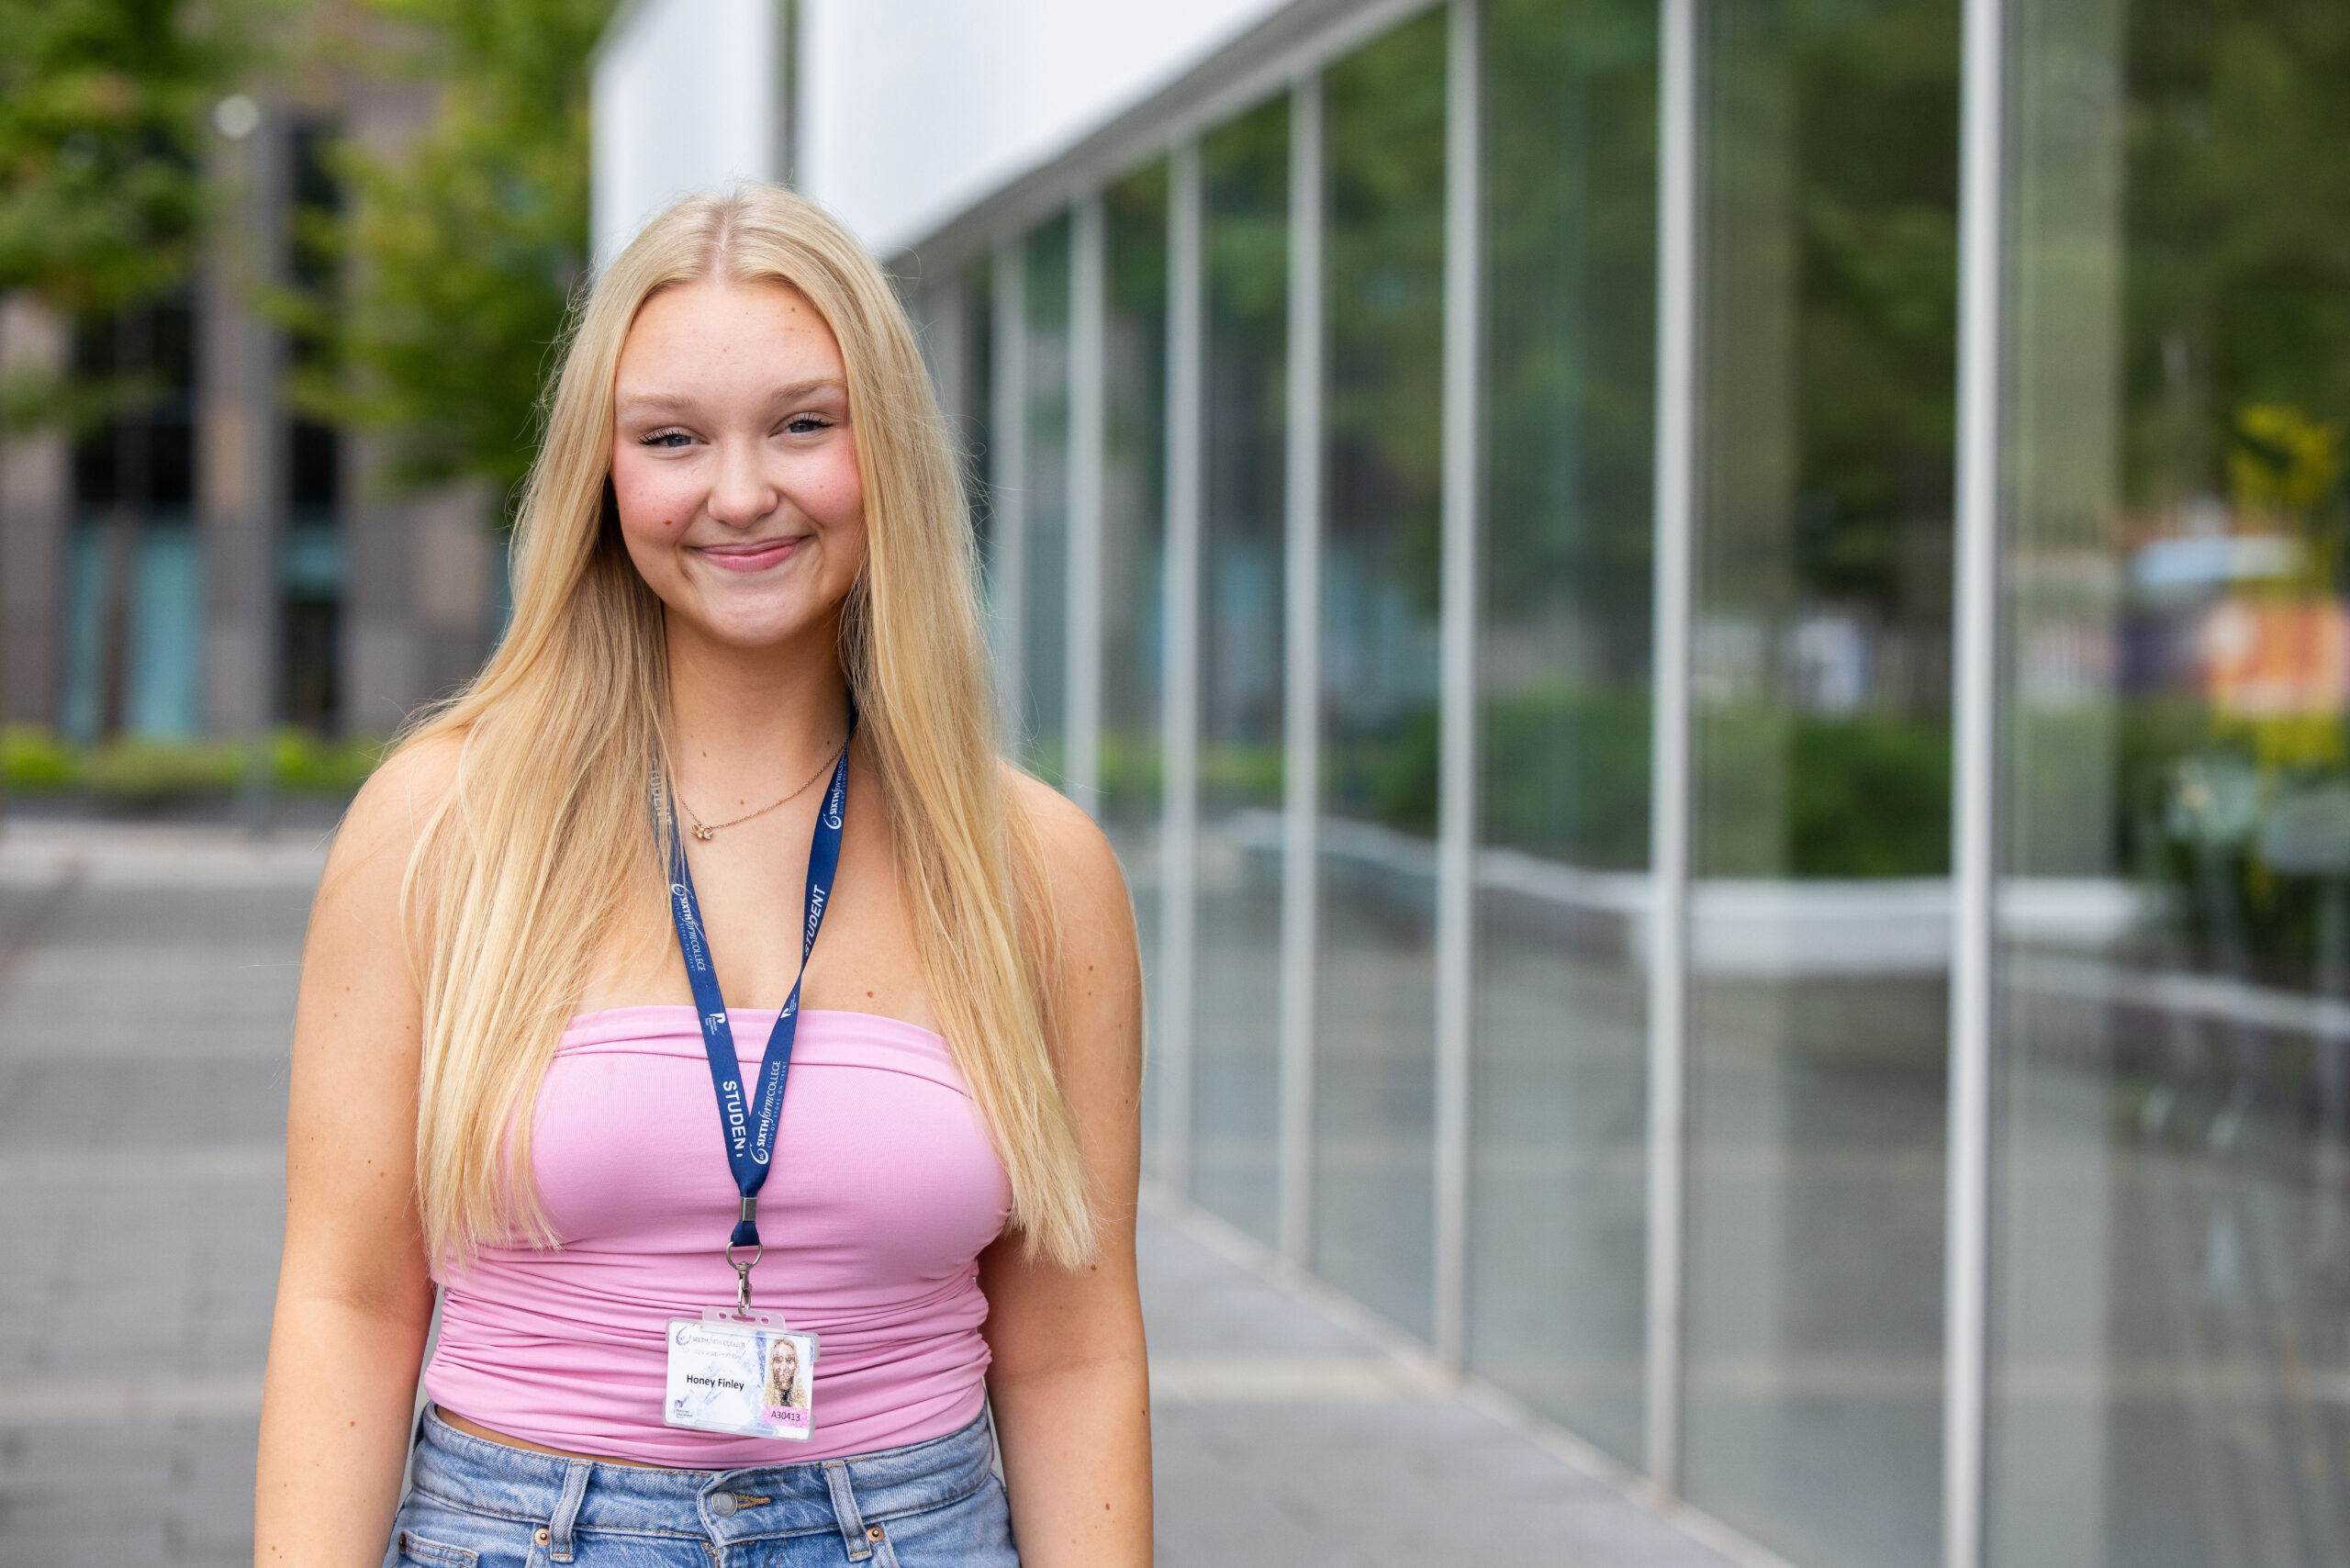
(1070, 1383)
(355, 1297)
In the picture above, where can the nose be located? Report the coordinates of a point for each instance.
(741, 495)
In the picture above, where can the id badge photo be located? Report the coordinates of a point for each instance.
(745, 1374)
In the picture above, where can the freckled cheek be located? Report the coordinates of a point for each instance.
(836, 495)
(650, 509)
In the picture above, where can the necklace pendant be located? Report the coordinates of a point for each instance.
(704, 833)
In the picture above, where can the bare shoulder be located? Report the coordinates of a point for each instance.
(393, 809)
(1099, 964)
(1088, 884)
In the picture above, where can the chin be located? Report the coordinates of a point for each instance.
(751, 630)
(756, 639)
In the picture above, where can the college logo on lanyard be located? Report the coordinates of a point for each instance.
(733, 1369)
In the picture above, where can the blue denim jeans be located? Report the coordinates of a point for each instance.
(475, 1504)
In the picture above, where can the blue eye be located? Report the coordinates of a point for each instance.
(666, 438)
(806, 424)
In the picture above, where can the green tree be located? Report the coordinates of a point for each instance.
(102, 106)
(466, 249)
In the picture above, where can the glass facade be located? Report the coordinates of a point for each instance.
(969, 396)
(1557, 1309)
(159, 617)
(1820, 810)
(1680, 488)
(133, 583)
(1044, 497)
(1236, 1043)
(1375, 1025)
(2171, 1262)
(1134, 554)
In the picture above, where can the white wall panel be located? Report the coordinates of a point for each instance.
(687, 94)
(914, 109)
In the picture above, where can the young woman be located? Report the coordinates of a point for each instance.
(725, 801)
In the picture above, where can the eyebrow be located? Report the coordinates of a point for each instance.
(652, 402)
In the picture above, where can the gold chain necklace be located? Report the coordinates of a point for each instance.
(707, 831)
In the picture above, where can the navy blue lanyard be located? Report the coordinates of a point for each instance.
(749, 1121)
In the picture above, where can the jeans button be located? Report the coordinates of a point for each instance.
(873, 1532)
(542, 1536)
(722, 1504)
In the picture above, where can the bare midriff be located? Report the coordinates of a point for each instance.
(489, 1434)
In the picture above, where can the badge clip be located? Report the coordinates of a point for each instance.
(742, 1272)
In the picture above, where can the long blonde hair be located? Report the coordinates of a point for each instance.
(535, 859)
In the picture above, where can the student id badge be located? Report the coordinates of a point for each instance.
(742, 1374)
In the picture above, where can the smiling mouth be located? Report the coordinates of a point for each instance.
(755, 557)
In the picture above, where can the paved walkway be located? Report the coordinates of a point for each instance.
(146, 984)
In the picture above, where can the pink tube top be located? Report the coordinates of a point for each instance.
(883, 1191)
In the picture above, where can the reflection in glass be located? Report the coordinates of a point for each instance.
(1236, 1048)
(1043, 637)
(1375, 1035)
(970, 400)
(1558, 1246)
(2171, 1299)
(1820, 704)
(1133, 553)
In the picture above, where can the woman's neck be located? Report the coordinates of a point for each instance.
(742, 718)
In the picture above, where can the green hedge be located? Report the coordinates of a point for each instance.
(1870, 797)
(147, 773)
(1564, 773)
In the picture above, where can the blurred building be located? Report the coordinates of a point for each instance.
(214, 560)
(1714, 634)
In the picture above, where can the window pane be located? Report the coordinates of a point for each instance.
(1375, 1068)
(1819, 923)
(1236, 1037)
(1558, 1246)
(2172, 1251)
(1043, 637)
(970, 399)
(1134, 554)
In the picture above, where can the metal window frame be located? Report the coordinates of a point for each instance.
(1457, 813)
(783, 132)
(1975, 780)
(1088, 429)
(1179, 714)
(1008, 488)
(1301, 695)
(1679, 194)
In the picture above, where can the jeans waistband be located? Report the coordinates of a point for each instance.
(848, 1495)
